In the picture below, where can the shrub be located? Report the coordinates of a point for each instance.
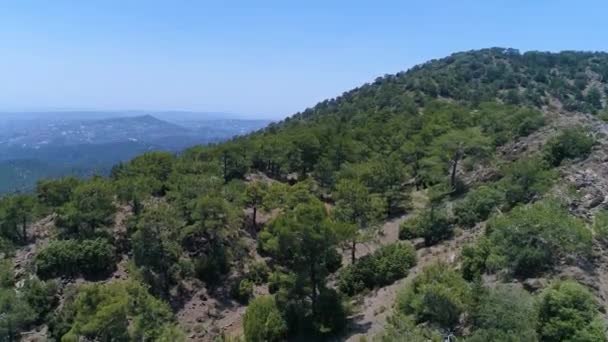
(263, 321)
(530, 239)
(212, 266)
(56, 192)
(474, 257)
(432, 224)
(116, 311)
(600, 225)
(526, 179)
(570, 143)
(39, 295)
(402, 328)
(72, 257)
(568, 312)
(386, 265)
(504, 311)
(242, 290)
(439, 295)
(258, 272)
(504, 123)
(7, 277)
(393, 262)
(16, 315)
(478, 205)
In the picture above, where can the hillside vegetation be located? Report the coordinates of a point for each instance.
(457, 198)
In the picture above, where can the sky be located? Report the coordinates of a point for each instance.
(264, 59)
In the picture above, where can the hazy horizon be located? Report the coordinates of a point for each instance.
(101, 114)
(272, 59)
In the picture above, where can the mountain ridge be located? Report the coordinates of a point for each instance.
(386, 213)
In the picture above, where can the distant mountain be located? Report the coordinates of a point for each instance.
(52, 146)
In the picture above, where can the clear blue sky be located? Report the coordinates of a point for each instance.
(271, 58)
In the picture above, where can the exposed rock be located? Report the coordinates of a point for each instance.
(535, 284)
(418, 243)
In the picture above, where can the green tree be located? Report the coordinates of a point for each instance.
(455, 145)
(15, 213)
(303, 241)
(56, 192)
(254, 198)
(354, 205)
(92, 207)
(156, 247)
(135, 190)
(16, 315)
(208, 238)
(153, 166)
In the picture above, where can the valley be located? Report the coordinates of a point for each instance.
(43, 145)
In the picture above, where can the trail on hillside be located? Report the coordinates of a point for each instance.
(377, 305)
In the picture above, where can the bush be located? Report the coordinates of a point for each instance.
(263, 321)
(16, 315)
(474, 258)
(600, 225)
(242, 290)
(72, 257)
(531, 239)
(212, 266)
(526, 179)
(478, 205)
(504, 123)
(386, 265)
(402, 328)
(439, 295)
(504, 311)
(116, 311)
(258, 272)
(568, 312)
(56, 192)
(432, 224)
(569, 144)
(40, 295)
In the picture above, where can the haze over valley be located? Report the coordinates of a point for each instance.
(53, 144)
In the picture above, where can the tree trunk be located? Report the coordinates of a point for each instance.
(453, 175)
(313, 283)
(353, 250)
(255, 214)
(225, 168)
(24, 229)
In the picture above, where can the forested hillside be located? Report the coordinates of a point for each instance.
(464, 197)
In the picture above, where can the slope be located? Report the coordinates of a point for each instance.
(309, 210)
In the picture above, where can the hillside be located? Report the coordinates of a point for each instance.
(466, 196)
